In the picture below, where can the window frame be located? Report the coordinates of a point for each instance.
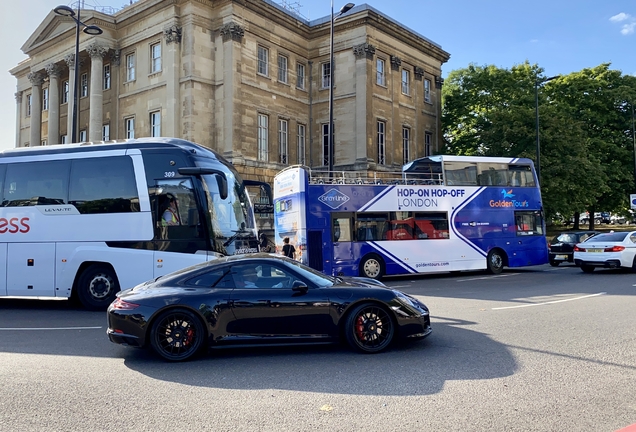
(84, 85)
(301, 140)
(155, 123)
(427, 90)
(155, 60)
(428, 141)
(130, 67)
(406, 82)
(29, 104)
(283, 70)
(106, 78)
(106, 132)
(380, 75)
(262, 137)
(262, 61)
(65, 91)
(300, 77)
(45, 99)
(406, 145)
(325, 75)
(381, 141)
(128, 131)
(283, 141)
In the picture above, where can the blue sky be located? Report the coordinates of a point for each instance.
(562, 36)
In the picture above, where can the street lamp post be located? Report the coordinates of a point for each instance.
(344, 9)
(536, 103)
(89, 30)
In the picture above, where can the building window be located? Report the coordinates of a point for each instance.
(263, 130)
(28, 105)
(155, 58)
(82, 137)
(283, 135)
(45, 99)
(406, 144)
(106, 132)
(282, 69)
(428, 138)
(325, 144)
(380, 77)
(130, 127)
(263, 61)
(325, 72)
(301, 138)
(427, 90)
(106, 77)
(300, 76)
(84, 85)
(155, 124)
(65, 91)
(381, 143)
(63, 139)
(44, 142)
(130, 67)
(406, 82)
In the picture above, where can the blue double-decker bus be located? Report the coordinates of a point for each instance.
(440, 213)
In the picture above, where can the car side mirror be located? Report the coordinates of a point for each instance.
(299, 286)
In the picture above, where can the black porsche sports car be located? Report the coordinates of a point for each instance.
(261, 299)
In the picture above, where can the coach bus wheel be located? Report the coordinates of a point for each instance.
(372, 267)
(495, 261)
(97, 287)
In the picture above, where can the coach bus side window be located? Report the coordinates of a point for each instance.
(36, 183)
(177, 213)
(103, 185)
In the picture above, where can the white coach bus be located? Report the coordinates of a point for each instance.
(83, 220)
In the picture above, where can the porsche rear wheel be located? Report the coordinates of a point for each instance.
(369, 328)
(177, 335)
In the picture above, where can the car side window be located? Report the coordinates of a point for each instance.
(208, 279)
(274, 276)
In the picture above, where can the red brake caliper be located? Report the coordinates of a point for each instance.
(360, 328)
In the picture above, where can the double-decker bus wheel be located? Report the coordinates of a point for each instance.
(495, 261)
(372, 266)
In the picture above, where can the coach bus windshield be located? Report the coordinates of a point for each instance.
(232, 222)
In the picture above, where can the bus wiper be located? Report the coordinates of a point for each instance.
(235, 235)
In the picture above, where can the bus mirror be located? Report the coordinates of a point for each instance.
(221, 179)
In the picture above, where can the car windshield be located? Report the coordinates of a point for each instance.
(314, 276)
(609, 237)
(565, 238)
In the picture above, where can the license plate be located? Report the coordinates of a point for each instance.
(595, 250)
(562, 257)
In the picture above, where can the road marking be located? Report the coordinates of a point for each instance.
(487, 277)
(48, 328)
(550, 302)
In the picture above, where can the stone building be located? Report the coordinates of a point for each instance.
(247, 78)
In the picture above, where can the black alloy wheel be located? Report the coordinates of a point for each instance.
(97, 287)
(369, 328)
(177, 335)
(495, 261)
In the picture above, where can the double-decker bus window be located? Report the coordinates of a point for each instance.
(372, 226)
(36, 183)
(493, 174)
(341, 228)
(103, 185)
(529, 223)
(521, 175)
(460, 173)
(431, 225)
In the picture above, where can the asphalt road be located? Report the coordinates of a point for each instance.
(538, 349)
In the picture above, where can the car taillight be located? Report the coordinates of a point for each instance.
(549, 246)
(578, 249)
(615, 249)
(124, 305)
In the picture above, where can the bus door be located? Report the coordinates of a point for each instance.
(179, 232)
(342, 239)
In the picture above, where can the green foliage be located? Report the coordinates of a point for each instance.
(586, 141)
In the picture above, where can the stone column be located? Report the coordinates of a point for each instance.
(362, 52)
(96, 103)
(70, 61)
(18, 117)
(171, 68)
(232, 35)
(36, 78)
(54, 71)
(115, 121)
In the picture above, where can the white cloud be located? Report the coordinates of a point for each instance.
(620, 17)
(628, 28)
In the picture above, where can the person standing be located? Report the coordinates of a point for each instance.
(288, 249)
(264, 243)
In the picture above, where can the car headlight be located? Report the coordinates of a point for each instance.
(409, 301)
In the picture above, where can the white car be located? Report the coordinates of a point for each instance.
(607, 250)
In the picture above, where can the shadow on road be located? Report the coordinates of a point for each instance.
(414, 368)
